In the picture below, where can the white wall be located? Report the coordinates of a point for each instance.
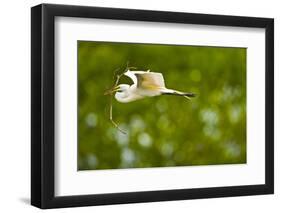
(15, 105)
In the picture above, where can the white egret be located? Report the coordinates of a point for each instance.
(145, 84)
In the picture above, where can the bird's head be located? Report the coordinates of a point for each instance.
(122, 92)
(121, 88)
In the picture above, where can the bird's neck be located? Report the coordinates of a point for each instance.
(126, 99)
(127, 96)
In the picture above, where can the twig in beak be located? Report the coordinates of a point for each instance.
(128, 68)
(110, 92)
(111, 119)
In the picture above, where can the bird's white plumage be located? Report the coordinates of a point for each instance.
(146, 79)
(132, 76)
(145, 84)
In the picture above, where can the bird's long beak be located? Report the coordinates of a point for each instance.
(112, 90)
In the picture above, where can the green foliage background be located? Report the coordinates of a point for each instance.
(164, 130)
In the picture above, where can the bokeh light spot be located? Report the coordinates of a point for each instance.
(91, 120)
(144, 139)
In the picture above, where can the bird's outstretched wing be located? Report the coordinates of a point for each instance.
(149, 80)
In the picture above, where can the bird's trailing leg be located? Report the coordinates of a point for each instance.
(188, 96)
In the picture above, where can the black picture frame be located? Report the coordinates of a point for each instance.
(43, 102)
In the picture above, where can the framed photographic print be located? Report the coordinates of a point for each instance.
(139, 106)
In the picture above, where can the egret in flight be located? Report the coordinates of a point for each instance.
(145, 84)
